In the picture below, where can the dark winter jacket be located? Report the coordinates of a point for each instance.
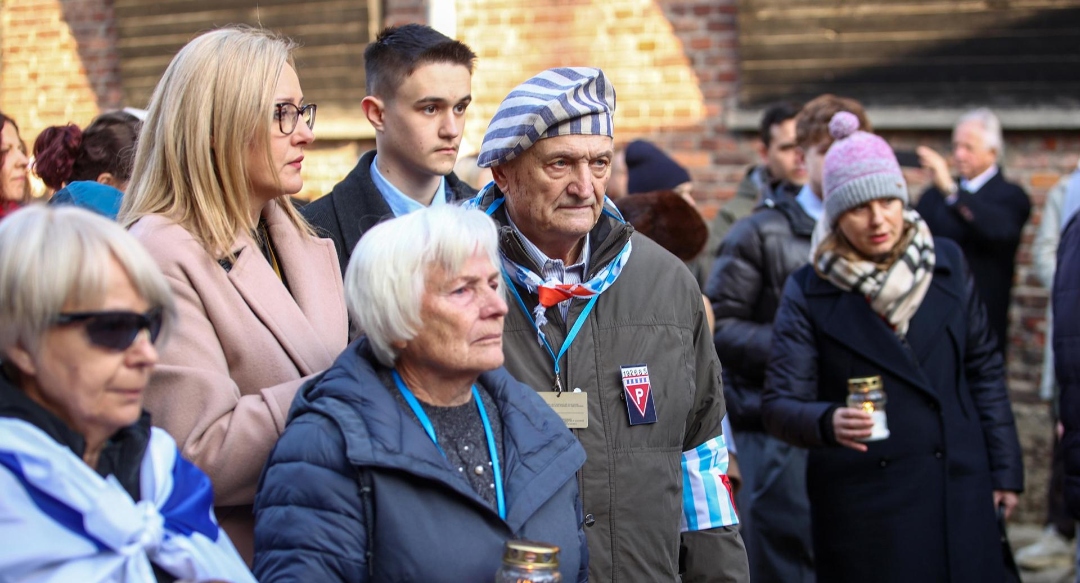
(918, 505)
(1066, 302)
(987, 226)
(356, 491)
(747, 280)
(355, 205)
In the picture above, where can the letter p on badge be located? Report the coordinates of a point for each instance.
(640, 407)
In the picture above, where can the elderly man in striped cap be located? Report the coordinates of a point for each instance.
(611, 330)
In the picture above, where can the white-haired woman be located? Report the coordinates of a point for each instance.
(908, 495)
(90, 491)
(260, 300)
(417, 456)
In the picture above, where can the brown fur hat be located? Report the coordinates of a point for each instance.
(666, 217)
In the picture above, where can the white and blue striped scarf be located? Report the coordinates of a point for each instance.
(551, 292)
(71, 524)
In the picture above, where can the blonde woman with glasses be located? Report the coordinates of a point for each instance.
(259, 297)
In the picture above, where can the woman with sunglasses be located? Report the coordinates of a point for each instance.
(90, 491)
(260, 299)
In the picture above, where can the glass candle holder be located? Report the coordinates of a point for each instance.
(529, 562)
(868, 394)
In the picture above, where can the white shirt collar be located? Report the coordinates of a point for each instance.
(979, 181)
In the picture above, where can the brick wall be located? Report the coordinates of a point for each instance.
(671, 66)
(59, 62)
(400, 12)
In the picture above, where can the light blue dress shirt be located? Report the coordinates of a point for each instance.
(400, 203)
(810, 203)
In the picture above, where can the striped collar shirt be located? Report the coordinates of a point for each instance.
(555, 269)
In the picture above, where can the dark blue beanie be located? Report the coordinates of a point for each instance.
(648, 169)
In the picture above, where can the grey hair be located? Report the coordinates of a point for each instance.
(387, 273)
(991, 126)
(55, 256)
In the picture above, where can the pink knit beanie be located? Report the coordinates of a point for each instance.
(859, 167)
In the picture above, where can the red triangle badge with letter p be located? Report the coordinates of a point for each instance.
(640, 407)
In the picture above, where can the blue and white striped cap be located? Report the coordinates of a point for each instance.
(557, 102)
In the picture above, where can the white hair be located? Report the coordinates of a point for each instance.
(386, 277)
(991, 126)
(52, 256)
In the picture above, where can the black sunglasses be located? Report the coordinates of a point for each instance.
(115, 330)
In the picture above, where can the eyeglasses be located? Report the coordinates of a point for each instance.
(115, 330)
(287, 115)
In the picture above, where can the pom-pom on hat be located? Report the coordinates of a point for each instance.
(556, 102)
(859, 167)
(648, 168)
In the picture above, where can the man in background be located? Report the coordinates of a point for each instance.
(980, 210)
(781, 171)
(747, 282)
(419, 84)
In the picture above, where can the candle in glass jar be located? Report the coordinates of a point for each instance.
(868, 394)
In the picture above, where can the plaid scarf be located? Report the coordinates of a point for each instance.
(896, 292)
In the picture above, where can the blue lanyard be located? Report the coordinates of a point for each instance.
(430, 430)
(577, 323)
(569, 337)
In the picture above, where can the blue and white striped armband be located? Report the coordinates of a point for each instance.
(707, 498)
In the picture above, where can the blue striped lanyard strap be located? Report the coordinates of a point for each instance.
(556, 358)
(488, 433)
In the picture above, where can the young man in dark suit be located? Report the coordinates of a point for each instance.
(419, 84)
(980, 210)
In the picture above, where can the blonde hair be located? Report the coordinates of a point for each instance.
(386, 277)
(51, 256)
(213, 103)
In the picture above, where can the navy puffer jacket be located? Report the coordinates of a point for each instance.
(356, 491)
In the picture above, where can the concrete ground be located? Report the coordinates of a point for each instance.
(1021, 535)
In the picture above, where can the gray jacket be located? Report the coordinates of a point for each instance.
(632, 479)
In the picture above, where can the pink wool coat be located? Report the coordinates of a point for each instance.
(241, 347)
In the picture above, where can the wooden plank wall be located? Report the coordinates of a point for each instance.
(332, 34)
(911, 52)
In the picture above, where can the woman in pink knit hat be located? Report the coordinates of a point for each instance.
(883, 364)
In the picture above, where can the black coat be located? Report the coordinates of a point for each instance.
(918, 505)
(754, 262)
(1066, 302)
(356, 205)
(989, 239)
